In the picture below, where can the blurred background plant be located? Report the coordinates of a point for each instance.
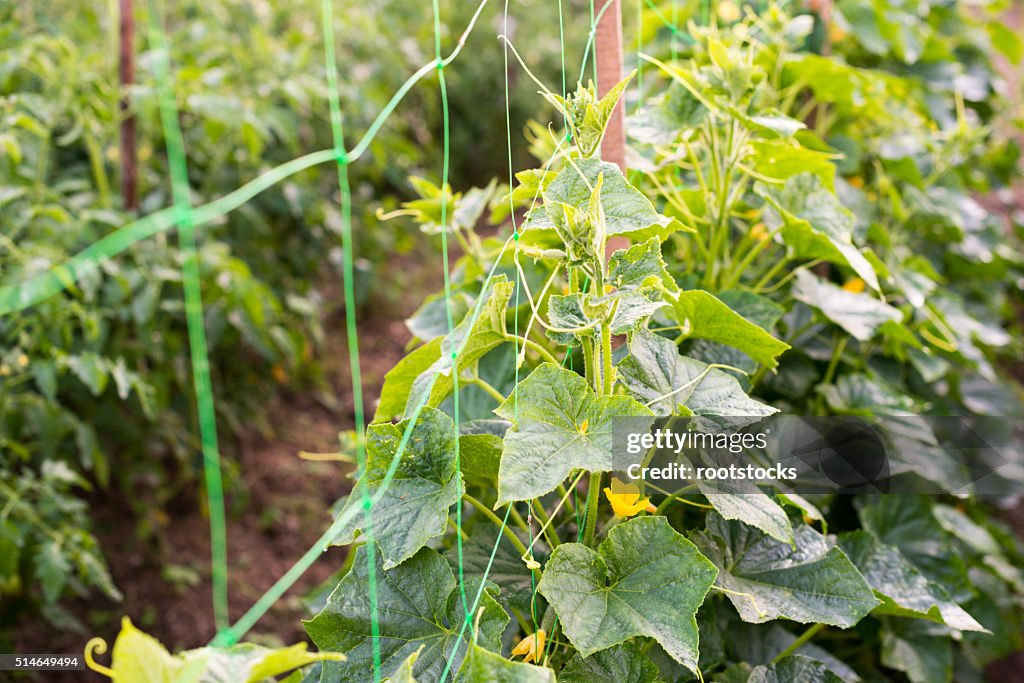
(95, 385)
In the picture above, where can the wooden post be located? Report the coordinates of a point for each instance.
(126, 77)
(609, 72)
(608, 49)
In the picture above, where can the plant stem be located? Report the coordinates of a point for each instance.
(593, 498)
(509, 534)
(606, 358)
(799, 642)
(533, 346)
(837, 355)
(488, 388)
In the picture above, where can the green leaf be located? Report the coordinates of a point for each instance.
(794, 668)
(565, 312)
(560, 424)
(91, 369)
(52, 569)
(480, 456)
(750, 507)
(903, 589)
(632, 307)
(587, 115)
(657, 375)
(807, 582)
(918, 650)
(431, 319)
(506, 569)
(784, 159)
(758, 310)
(624, 663)
(626, 209)
(606, 597)
(476, 339)
(906, 522)
(482, 666)
(859, 314)
(702, 316)
(418, 603)
(398, 381)
(815, 224)
(1006, 40)
(414, 508)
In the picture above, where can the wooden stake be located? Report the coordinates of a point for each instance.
(608, 48)
(126, 77)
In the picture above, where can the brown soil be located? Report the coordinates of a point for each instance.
(275, 516)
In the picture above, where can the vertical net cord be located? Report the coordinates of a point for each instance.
(185, 221)
(445, 165)
(351, 329)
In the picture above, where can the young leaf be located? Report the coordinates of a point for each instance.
(560, 424)
(808, 582)
(604, 598)
(626, 209)
(657, 375)
(483, 666)
(702, 316)
(418, 604)
(414, 508)
(859, 314)
(641, 265)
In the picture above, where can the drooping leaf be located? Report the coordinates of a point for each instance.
(418, 604)
(919, 649)
(603, 598)
(750, 507)
(415, 506)
(815, 225)
(623, 663)
(560, 424)
(657, 375)
(702, 316)
(464, 346)
(906, 522)
(767, 579)
(859, 314)
(903, 589)
(758, 310)
(399, 380)
(483, 666)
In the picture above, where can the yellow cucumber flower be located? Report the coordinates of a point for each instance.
(531, 648)
(626, 500)
(854, 284)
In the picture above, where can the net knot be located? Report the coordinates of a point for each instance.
(225, 637)
(341, 156)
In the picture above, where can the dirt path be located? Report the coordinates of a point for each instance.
(273, 518)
